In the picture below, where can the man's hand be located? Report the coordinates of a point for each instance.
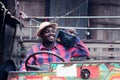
(71, 31)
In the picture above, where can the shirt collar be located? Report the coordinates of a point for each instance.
(42, 47)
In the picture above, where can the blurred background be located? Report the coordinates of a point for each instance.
(97, 23)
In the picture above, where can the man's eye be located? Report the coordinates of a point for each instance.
(46, 31)
(53, 31)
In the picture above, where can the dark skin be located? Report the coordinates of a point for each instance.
(48, 36)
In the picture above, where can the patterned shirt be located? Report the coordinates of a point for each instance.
(80, 50)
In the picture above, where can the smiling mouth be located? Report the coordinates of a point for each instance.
(51, 37)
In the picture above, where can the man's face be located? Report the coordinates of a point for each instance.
(48, 34)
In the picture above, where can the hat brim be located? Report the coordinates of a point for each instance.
(55, 25)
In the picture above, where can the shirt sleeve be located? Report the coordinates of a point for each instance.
(81, 49)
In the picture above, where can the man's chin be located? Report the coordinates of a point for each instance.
(51, 41)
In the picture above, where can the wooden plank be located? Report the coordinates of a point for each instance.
(94, 45)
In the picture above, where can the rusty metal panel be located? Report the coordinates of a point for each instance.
(32, 7)
(70, 8)
(105, 8)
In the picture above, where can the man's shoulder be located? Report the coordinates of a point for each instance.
(36, 45)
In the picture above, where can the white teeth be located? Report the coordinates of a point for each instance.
(51, 37)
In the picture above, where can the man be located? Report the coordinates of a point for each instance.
(47, 31)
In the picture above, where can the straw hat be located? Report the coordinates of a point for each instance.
(44, 25)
